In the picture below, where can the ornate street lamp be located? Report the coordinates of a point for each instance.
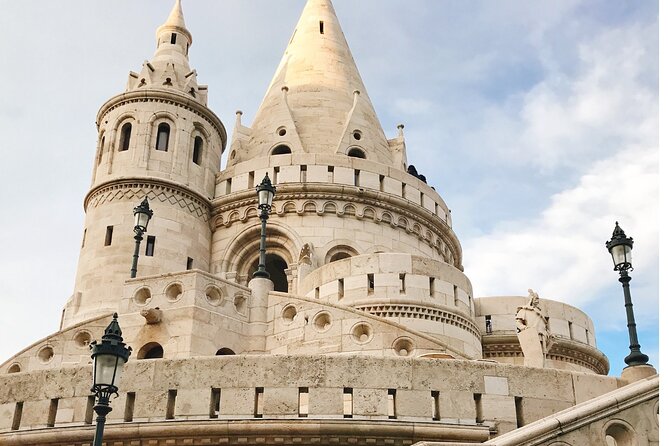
(265, 192)
(620, 247)
(109, 356)
(142, 215)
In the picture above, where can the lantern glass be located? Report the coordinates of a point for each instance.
(107, 369)
(142, 220)
(265, 197)
(622, 254)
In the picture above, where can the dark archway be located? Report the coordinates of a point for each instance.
(152, 350)
(276, 267)
(225, 352)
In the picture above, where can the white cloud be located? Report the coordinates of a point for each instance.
(561, 253)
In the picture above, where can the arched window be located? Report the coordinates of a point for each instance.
(163, 139)
(224, 352)
(339, 252)
(355, 152)
(281, 150)
(276, 266)
(340, 256)
(126, 130)
(102, 149)
(197, 150)
(152, 350)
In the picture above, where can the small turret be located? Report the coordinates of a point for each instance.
(157, 140)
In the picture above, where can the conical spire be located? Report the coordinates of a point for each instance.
(317, 79)
(175, 22)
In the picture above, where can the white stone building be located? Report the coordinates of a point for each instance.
(368, 331)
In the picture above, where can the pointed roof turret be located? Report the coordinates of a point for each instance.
(169, 69)
(319, 83)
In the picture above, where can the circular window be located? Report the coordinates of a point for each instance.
(361, 333)
(357, 135)
(322, 321)
(281, 131)
(142, 296)
(289, 313)
(82, 339)
(214, 295)
(403, 346)
(174, 291)
(45, 355)
(14, 368)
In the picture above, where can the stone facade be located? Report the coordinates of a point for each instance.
(368, 330)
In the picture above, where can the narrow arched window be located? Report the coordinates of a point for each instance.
(102, 149)
(281, 150)
(163, 139)
(197, 150)
(126, 130)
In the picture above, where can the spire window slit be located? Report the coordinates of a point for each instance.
(322, 27)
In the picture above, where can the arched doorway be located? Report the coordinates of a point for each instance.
(276, 266)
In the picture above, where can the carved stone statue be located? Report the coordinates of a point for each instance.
(306, 254)
(533, 333)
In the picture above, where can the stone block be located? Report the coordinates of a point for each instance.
(498, 408)
(368, 180)
(457, 404)
(370, 402)
(289, 174)
(237, 402)
(35, 413)
(588, 386)
(344, 175)
(326, 401)
(318, 174)
(496, 385)
(280, 401)
(413, 403)
(392, 186)
(192, 402)
(412, 194)
(150, 405)
(533, 409)
(7, 415)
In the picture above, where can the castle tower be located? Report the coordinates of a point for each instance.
(159, 140)
(350, 226)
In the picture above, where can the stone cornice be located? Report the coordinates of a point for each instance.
(562, 350)
(349, 194)
(149, 183)
(169, 97)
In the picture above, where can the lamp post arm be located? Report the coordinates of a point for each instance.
(135, 256)
(635, 357)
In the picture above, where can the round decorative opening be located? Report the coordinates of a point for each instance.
(281, 131)
(214, 295)
(82, 339)
(403, 346)
(14, 368)
(322, 321)
(45, 354)
(142, 296)
(289, 313)
(240, 304)
(173, 292)
(362, 333)
(357, 135)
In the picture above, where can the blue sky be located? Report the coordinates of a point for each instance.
(542, 117)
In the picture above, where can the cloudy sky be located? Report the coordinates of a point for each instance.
(542, 115)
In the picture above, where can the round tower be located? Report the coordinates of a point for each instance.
(159, 140)
(352, 224)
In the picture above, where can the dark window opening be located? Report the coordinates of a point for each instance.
(173, 40)
(108, 235)
(171, 403)
(520, 419)
(18, 414)
(479, 408)
(392, 414)
(339, 256)
(197, 150)
(126, 130)
(83, 239)
(257, 406)
(435, 405)
(53, 410)
(276, 267)
(403, 288)
(431, 286)
(281, 150)
(322, 27)
(150, 245)
(163, 139)
(224, 352)
(129, 412)
(488, 324)
(102, 148)
(88, 413)
(215, 402)
(189, 263)
(357, 153)
(303, 402)
(370, 283)
(152, 350)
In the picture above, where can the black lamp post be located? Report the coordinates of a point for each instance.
(109, 356)
(265, 192)
(142, 215)
(620, 247)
